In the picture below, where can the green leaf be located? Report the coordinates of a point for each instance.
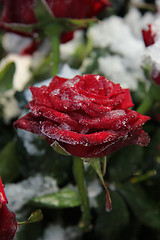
(95, 163)
(146, 209)
(65, 198)
(6, 76)
(9, 169)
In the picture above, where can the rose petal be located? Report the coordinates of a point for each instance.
(3, 198)
(8, 223)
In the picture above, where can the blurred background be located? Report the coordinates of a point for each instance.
(36, 176)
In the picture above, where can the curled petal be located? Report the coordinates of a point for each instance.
(88, 116)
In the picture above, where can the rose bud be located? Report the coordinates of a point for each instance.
(155, 75)
(88, 116)
(8, 223)
(148, 35)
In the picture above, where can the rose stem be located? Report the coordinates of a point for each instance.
(145, 105)
(79, 175)
(55, 44)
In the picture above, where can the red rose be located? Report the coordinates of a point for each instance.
(155, 75)
(88, 116)
(8, 223)
(148, 36)
(22, 12)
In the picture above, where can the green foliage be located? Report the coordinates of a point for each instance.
(6, 77)
(65, 198)
(109, 225)
(143, 206)
(43, 159)
(9, 168)
(123, 164)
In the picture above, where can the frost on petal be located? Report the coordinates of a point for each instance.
(88, 116)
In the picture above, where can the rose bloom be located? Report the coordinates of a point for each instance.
(22, 13)
(149, 36)
(8, 223)
(88, 116)
(155, 75)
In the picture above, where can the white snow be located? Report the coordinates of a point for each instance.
(127, 47)
(28, 139)
(152, 52)
(10, 105)
(14, 43)
(68, 49)
(116, 34)
(67, 72)
(20, 193)
(137, 22)
(115, 69)
(57, 232)
(94, 189)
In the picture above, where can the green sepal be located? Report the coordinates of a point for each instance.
(59, 149)
(35, 216)
(96, 165)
